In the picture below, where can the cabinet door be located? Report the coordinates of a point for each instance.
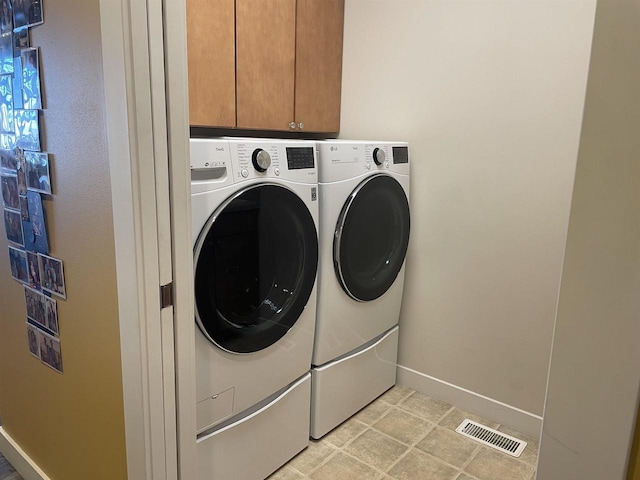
(265, 63)
(211, 60)
(319, 64)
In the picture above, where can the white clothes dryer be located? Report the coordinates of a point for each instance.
(364, 235)
(255, 223)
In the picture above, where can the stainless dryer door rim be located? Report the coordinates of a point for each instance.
(339, 266)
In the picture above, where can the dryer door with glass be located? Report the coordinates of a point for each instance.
(371, 238)
(255, 265)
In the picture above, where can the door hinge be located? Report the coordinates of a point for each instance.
(166, 295)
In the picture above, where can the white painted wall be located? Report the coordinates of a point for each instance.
(490, 96)
(595, 367)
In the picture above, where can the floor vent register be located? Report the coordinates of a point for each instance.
(492, 438)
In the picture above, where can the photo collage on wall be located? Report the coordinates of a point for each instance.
(25, 177)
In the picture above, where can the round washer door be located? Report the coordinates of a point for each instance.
(371, 239)
(255, 265)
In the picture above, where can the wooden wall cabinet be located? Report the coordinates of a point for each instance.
(211, 62)
(287, 64)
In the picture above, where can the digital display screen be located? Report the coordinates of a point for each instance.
(400, 154)
(300, 157)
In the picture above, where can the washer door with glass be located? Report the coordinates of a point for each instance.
(371, 239)
(255, 265)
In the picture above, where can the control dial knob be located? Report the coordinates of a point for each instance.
(261, 160)
(378, 156)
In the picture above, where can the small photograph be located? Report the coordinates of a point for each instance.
(22, 176)
(18, 264)
(31, 93)
(27, 13)
(6, 17)
(52, 275)
(35, 230)
(6, 54)
(7, 158)
(13, 227)
(24, 209)
(10, 196)
(50, 352)
(19, 14)
(51, 314)
(6, 104)
(27, 129)
(34, 12)
(37, 169)
(17, 83)
(20, 40)
(32, 340)
(8, 142)
(37, 214)
(33, 270)
(34, 301)
(19, 153)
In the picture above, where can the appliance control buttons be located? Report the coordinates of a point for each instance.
(378, 156)
(244, 173)
(368, 166)
(261, 160)
(276, 171)
(386, 164)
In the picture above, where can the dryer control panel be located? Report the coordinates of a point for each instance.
(400, 155)
(377, 156)
(344, 159)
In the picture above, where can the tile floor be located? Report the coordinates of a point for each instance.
(6, 470)
(405, 435)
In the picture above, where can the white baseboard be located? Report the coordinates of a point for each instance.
(23, 464)
(512, 417)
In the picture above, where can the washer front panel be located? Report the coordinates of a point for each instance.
(255, 265)
(371, 238)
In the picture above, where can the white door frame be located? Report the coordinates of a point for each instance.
(177, 113)
(145, 76)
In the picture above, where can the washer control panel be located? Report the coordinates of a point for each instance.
(216, 162)
(254, 160)
(294, 160)
(300, 157)
(261, 160)
(210, 160)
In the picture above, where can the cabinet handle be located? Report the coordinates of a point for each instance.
(301, 126)
(292, 125)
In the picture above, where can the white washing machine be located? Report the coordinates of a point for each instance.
(364, 235)
(255, 223)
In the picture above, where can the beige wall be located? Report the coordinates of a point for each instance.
(595, 367)
(72, 424)
(490, 96)
(634, 459)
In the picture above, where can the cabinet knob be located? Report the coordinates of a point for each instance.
(301, 126)
(292, 125)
